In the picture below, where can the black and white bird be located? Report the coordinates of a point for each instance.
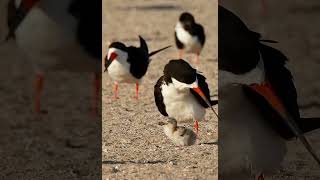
(258, 103)
(182, 93)
(189, 35)
(128, 64)
(64, 35)
(179, 135)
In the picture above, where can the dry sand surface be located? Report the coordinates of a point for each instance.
(134, 146)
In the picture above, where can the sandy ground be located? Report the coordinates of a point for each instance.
(134, 146)
(287, 22)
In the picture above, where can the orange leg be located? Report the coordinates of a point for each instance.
(38, 91)
(180, 53)
(137, 90)
(96, 93)
(116, 86)
(196, 126)
(197, 58)
(261, 177)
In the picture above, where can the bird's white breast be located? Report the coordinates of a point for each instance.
(181, 105)
(191, 43)
(120, 72)
(48, 45)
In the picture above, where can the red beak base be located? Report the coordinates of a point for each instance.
(113, 56)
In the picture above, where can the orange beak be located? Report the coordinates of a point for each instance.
(269, 94)
(107, 63)
(113, 56)
(201, 94)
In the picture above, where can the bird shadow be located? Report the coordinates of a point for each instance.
(134, 162)
(159, 7)
(210, 143)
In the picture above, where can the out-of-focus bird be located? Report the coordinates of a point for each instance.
(189, 35)
(64, 35)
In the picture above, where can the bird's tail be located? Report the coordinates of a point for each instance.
(155, 52)
(143, 44)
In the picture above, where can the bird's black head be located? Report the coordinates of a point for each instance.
(181, 71)
(186, 18)
(118, 45)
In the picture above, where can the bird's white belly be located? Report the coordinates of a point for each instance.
(121, 72)
(181, 105)
(48, 46)
(247, 145)
(191, 43)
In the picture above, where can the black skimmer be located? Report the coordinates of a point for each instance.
(179, 135)
(59, 36)
(182, 93)
(261, 112)
(189, 35)
(128, 64)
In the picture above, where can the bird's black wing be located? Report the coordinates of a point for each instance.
(200, 33)
(178, 42)
(205, 89)
(280, 78)
(158, 98)
(139, 61)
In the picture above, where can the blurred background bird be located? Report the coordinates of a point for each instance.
(58, 35)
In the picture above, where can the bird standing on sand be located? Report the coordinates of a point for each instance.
(64, 35)
(179, 135)
(189, 35)
(258, 103)
(182, 93)
(128, 64)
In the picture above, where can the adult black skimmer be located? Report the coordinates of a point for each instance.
(179, 135)
(182, 93)
(59, 36)
(261, 112)
(128, 64)
(189, 35)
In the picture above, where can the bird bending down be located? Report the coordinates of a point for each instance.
(189, 35)
(179, 135)
(182, 93)
(128, 64)
(259, 110)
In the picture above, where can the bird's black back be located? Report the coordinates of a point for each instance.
(139, 61)
(89, 29)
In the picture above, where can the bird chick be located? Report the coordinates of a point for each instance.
(179, 135)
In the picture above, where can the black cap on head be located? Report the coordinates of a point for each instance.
(186, 18)
(118, 45)
(181, 71)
